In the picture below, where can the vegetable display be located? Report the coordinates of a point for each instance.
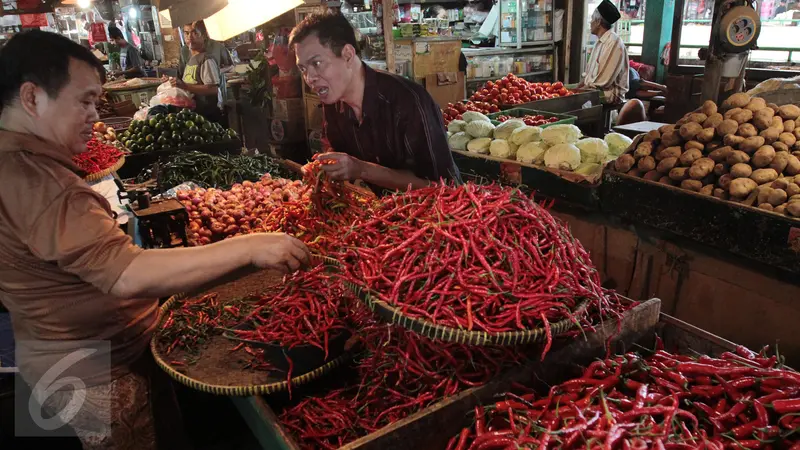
(745, 151)
(529, 119)
(98, 157)
(183, 129)
(106, 135)
(512, 90)
(477, 258)
(741, 400)
(217, 171)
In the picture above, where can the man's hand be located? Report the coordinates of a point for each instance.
(176, 82)
(340, 166)
(277, 251)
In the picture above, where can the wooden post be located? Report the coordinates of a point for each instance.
(388, 37)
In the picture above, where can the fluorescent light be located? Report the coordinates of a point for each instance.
(83, 4)
(133, 12)
(242, 15)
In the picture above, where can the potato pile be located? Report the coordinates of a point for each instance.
(746, 151)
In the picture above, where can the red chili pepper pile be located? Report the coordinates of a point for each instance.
(400, 374)
(739, 401)
(97, 157)
(479, 258)
(309, 309)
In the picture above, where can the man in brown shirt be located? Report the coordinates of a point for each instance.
(67, 272)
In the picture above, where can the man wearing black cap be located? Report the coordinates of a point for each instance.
(608, 66)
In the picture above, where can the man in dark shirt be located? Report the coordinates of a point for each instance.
(382, 129)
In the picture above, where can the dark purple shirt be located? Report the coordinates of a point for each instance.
(402, 128)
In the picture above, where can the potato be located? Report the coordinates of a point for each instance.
(777, 196)
(624, 163)
(741, 170)
(796, 153)
(694, 144)
(643, 149)
(666, 128)
(789, 112)
(738, 100)
(669, 152)
(721, 154)
(701, 168)
(792, 166)
(763, 118)
(646, 164)
(756, 104)
(692, 185)
(739, 115)
(763, 156)
(772, 106)
(708, 108)
(732, 140)
(652, 175)
(725, 181)
(770, 135)
(787, 138)
(792, 189)
(747, 130)
(751, 144)
(635, 173)
(793, 209)
(721, 169)
(789, 125)
(652, 135)
(697, 117)
(671, 138)
(666, 180)
(779, 161)
(707, 189)
(679, 173)
(738, 156)
(794, 198)
(690, 156)
(713, 120)
(705, 136)
(728, 126)
(713, 145)
(742, 187)
(763, 193)
(776, 122)
(765, 206)
(780, 146)
(780, 209)
(683, 120)
(780, 183)
(761, 176)
(667, 164)
(689, 130)
(796, 132)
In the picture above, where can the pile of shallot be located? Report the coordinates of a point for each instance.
(216, 214)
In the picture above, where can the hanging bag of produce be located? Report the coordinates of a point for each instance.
(168, 95)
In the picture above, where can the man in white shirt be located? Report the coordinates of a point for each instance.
(608, 65)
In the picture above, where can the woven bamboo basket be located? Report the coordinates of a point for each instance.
(104, 173)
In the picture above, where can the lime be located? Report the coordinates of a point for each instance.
(147, 130)
(193, 129)
(149, 138)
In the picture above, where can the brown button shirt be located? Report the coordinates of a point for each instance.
(401, 128)
(61, 252)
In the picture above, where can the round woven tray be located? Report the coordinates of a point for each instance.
(106, 172)
(119, 86)
(448, 334)
(118, 123)
(230, 388)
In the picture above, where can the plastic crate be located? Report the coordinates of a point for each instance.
(563, 119)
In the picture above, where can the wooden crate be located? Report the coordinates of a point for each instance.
(584, 98)
(574, 189)
(433, 426)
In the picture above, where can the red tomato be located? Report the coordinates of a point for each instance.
(545, 84)
(503, 98)
(563, 91)
(489, 84)
(558, 85)
(494, 92)
(495, 109)
(459, 117)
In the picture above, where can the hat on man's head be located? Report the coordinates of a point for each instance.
(608, 12)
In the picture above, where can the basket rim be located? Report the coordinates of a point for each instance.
(105, 172)
(455, 335)
(232, 391)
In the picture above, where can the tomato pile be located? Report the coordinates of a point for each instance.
(530, 120)
(512, 90)
(455, 110)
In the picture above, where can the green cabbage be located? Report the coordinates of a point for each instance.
(480, 145)
(617, 143)
(593, 150)
(561, 134)
(459, 140)
(479, 129)
(504, 130)
(562, 156)
(523, 135)
(531, 152)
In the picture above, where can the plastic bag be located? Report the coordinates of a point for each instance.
(141, 114)
(168, 95)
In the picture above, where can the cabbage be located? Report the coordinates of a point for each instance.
(501, 148)
(589, 168)
(593, 150)
(504, 130)
(479, 129)
(532, 152)
(456, 125)
(617, 143)
(480, 145)
(523, 135)
(561, 134)
(459, 140)
(471, 116)
(562, 156)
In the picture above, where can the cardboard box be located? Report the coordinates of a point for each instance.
(314, 117)
(290, 109)
(446, 87)
(430, 57)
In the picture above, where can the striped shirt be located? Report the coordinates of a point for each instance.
(608, 68)
(401, 128)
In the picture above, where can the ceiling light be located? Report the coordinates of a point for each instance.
(83, 4)
(133, 13)
(242, 15)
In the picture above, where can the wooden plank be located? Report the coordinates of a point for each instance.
(433, 426)
(388, 36)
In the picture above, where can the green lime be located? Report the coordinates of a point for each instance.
(141, 142)
(200, 119)
(149, 148)
(186, 136)
(159, 117)
(152, 122)
(171, 118)
(162, 139)
(193, 129)
(149, 138)
(126, 134)
(198, 139)
(176, 136)
(174, 126)
(147, 130)
(190, 123)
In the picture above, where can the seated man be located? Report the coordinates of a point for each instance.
(608, 65)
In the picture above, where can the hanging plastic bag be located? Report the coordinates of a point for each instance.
(168, 95)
